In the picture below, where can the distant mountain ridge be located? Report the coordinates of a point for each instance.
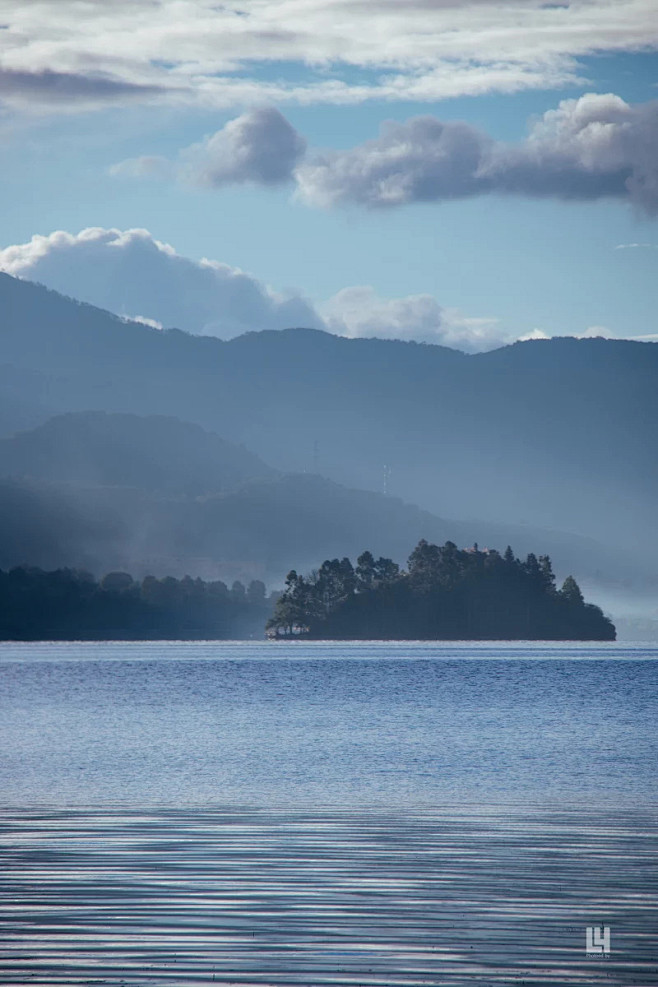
(156, 495)
(156, 453)
(554, 434)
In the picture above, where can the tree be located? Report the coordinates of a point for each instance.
(571, 591)
(447, 593)
(365, 572)
(386, 571)
(238, 592)
(117, 582)
(256, 592)
(424, 566)
(291, 612)
(546, 570)
(531, 567)
(335, 583)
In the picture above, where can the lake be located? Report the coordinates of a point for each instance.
(324, 813)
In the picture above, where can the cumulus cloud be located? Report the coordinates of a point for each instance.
(597, 146)
(259, 146)
(138, 277)
(133, 274)
(360, 312)
(420, 160)
(216, 54)
(588, 148)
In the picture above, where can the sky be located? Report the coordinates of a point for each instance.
(451, 171)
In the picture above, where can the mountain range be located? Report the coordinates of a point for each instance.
(546, 444)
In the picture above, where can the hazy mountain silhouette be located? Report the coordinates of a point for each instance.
(104, 491)
(157, 453)
(557, 434)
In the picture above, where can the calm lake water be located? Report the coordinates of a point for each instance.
(328, 724)
(328, 815)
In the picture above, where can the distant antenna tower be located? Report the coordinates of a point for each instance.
(387, 480)
(316, 456)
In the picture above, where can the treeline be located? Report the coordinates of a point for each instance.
(70, 604)
(444, 594)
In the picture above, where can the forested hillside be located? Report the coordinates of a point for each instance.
(70, 605)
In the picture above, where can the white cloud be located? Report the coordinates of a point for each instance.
(422, 159)
(132, 273)
(259, 146)
(592, 332)
(589, 148)
(49, 89)
(597, 146)
(144, 319)
(147, 166)
(360, 312)
(138, 277)
(205, 52)
(596, 332)
(533, 334)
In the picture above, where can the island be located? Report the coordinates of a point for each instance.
(445, 593)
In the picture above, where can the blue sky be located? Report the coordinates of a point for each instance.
(250, 135)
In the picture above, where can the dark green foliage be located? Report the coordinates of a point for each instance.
(571, 591)
(69, 604)
(445, 593)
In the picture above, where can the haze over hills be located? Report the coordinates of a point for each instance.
(156, 495)
(157, 453)
(551, 434)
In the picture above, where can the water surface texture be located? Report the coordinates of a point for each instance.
(328, 724)
(327, 814)
(328, 898)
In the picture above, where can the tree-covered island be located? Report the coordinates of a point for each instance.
(444, 594)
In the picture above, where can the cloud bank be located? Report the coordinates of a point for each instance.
(210, 54)
(594, 147)
(133, 274)
(360, 312)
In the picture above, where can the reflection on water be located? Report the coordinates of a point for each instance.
(327, 814)
(378, 898)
